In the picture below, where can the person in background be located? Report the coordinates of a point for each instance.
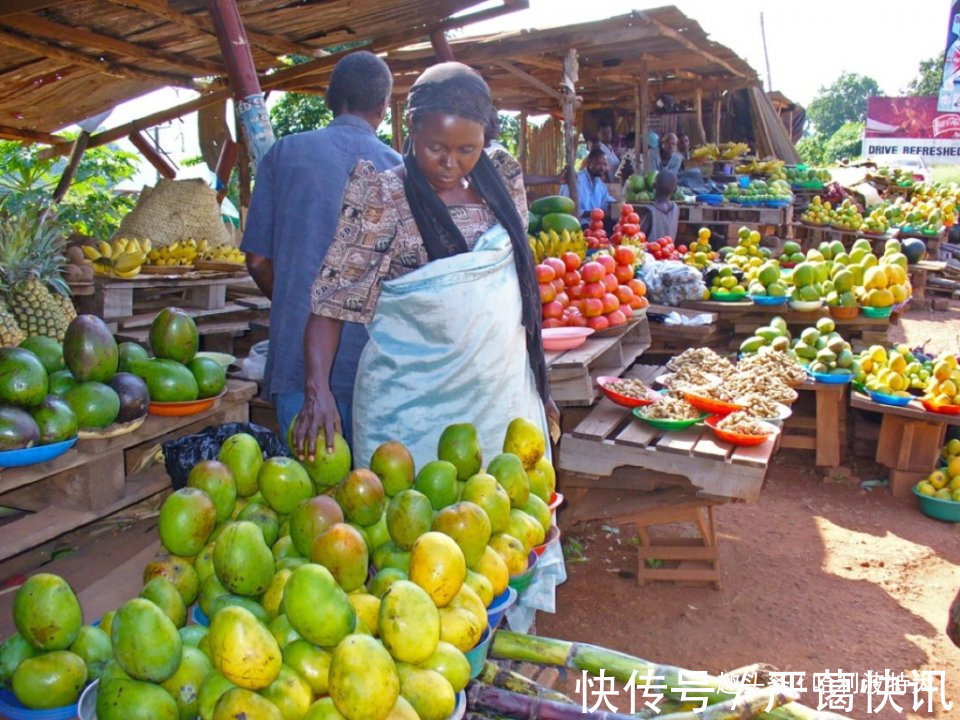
(662, 217)
(293, 215)
(683, 146)
(667, 158)
(592, 191)
(605, 143)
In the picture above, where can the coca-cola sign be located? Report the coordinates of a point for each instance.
(947, 126)
(911, 127)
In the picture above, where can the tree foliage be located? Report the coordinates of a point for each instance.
(812, 150)
(927, 81)
(846, 142)
(299, 112)
(843, 101)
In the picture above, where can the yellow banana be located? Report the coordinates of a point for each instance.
(146, 245)
(202, 245)
(129, 274)
(91, 253)
(105, 249)
(99, 268)
(128, 261)
(120, 246)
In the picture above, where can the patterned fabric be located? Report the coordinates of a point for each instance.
(377, 238)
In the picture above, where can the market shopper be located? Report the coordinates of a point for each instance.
(293, 216)
(605, 143)
(433, 257)
(667, 157)
(592, 189)
(662, 217)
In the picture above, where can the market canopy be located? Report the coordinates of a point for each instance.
(62, 61)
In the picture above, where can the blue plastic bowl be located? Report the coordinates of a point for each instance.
(936, 508)
(830, 379)
(477, 655)
(461, 708)
(767, 300)
(776, 203)
(199, 617)
(885, 399)
(34, 455)
(710, 199)
(501, 603)
(11, 708)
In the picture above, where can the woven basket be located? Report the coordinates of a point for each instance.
(176, 210)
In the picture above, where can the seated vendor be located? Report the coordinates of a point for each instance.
(662, 217)
(667, 158)
(605, 143)
(591, 189)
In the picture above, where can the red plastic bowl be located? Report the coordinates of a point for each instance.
(738, 438)
(619, 399)
(552, 537)
(941, 409)
(709, 405)
(556, 500)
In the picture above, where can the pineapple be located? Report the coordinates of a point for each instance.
(31, 254)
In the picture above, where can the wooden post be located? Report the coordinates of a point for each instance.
(698, 101)
(717, 109)
(522, 142)
(637, 130)
(569, 87)
(153, 157)
(243, 170)
(235, 49)
(396, 124)
(225, 164)
(79, 146)
(644, 143)
(441, 47)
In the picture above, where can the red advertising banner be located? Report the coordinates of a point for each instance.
(911, 127)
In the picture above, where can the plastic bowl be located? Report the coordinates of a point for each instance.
(498, 608)
(936, 508)
(718, 296)
(767, 300)
(556, 500)
(11, 708)
(183, 409)
(843, 313)
(224, 360)
(552, 538)
(941, 409)
(776, 203)
(618, 398)
(830, 378)
(668, 425)
(199, 617)
(521, 581)
(872, 312)
(884, 399)
(739, 438)
(87, 707)
(34, 455)
(564, 338)
(461, 708)
(711, 406)
(477, 655)
(806, 305)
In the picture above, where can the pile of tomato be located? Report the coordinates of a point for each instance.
(595, 235)
(664, 249)
(627, 230)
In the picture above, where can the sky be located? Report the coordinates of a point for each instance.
(809, 44)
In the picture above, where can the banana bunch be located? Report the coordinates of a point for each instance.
(705, 152)
(731, 151)
(771, 168)
(182, 252)
(224, 253)
(550, 243)
(122, 258)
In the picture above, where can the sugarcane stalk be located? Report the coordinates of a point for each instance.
(493, 674)
(488, 699)
(666, 705)
(530, 648)
(749, 705)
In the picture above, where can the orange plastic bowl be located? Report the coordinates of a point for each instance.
(618, 398)
(738, 438)
(709, 405)
(182, 409)
(941, 409)
(552, 538)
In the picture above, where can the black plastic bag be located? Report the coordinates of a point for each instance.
(182, 454)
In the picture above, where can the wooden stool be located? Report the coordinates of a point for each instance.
(701, 550)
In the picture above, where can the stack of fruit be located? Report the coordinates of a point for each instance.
(844, 217)
(825, 351)
(943, 387)
(770, 169)
(553, 244)
(224, 254)
(78, 268)
(775, 335)
(791, 255)
(747, 252)
(757, 191)
(944, 482)
(712, 152)
(725, 282)
(893, 373)
(598, 294)
(639, 188)
(181, 253)
(810, 177)
(627, 229)
(121, 258)
(765, 281)
(876, 222)
(926, 212)
(554, 212)
(806, 284)
(701, 254)
(664, 249)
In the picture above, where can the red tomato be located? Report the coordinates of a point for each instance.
(576, 305)
(633, 218)
(592, 271)
(662, 242)
(548, 293)
(610, 283)
(616, 318)
(571, 260)
(630, 229)
(553, 309)
(623, 273)
(596, 214)
(623, 293)
(575, 292)
(559, 268)
(610, 303)
(577, 321)
(563, 299)
(572, 277)
(657, 255)
(682, 249)
(643, 302)
(635, 302)
(593, 290)
(616, 237)
(639, 287)
(642, 237)
(609, 264)
(545, 273)
(552, 323)
(558, 284)
(592, 307)
(625, 255)
(626, 208)
(598, 323)
(596, 225)
(626, 310)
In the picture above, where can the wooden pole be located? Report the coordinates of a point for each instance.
(79, 145)
(243, 170)
(522, 142)
(251, 105)
(698, 101)
(150, 153)
(441, 47)
(396, 124)
(717, 109)
(569, 85)
(644, 113)
(225, 164)
(637, 130)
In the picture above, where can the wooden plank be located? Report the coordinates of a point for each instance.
(914, 410)
(709, 446)
(222, 328)
(678, 574)
(681, 442)
(755, 455)
(530, 80)
(637, 434)
(676, 552)
(798, 442)
(145, 319)
(13, 7)
(605, 418)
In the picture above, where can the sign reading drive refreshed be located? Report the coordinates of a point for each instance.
(911, 127)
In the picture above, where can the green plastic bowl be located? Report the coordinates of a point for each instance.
(947, 510)
(872, 312)
(522, 581)
(670, 425)
(477, 655)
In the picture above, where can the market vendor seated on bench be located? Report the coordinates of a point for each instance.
(662, 217)
(592, 192)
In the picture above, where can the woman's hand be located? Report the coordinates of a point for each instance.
(553, 417)
(319, 411)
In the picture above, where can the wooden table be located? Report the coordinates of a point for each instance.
(910, 440)
(99, 477)
(822, 429)
(674, 339)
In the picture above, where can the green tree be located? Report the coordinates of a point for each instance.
(811, 150)
(927, 81)
(510, 132)
(299, 112)
(845, 100)
(846, 142)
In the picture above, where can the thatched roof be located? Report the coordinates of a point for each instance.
(64, 60)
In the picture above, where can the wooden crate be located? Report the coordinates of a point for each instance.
(716, 214)
(819, 422)
(573, 373)
(674, 339)
(611, 438)
(99, 477)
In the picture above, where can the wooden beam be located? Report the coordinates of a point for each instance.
(86, 38)
(667, 31)
(530, 79)
(569, 84)
(637, 128)
(153, 157)
(73, 57)
(224, 169)
(273, 44)
(13, 7)
(27, 135)
(79, 146)
(522, 143)
(717, 109)
(396, 124)
(441, 46)
(698, 109)
(644, 91)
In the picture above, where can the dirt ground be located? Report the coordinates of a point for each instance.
(818, 575)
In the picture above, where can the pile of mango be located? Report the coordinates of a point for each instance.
(700, 254)
(944, 482)
(892, 373)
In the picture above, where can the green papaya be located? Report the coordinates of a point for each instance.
(553, 204)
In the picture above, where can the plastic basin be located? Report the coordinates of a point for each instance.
(87, 707)
(872, 312)
(739, 438)
(564, 338)
(552, 538)
(477, 655)
(521, 581)
(934, 507)
(556, 500)
(767, 299)
(183, 409)
(461, 708)
(830, 378)
(844, 313)
(618, 398)
(11, 708)
(806, 305)
(941, 409)
(885, 399)
(34, 455)
(710, 405)
(498, 608)
(199, 617)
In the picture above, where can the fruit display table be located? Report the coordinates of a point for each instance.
(810, 236)
(573, 373)
(910, 440)
(98, 477)
(819, 422)
(932, 242)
